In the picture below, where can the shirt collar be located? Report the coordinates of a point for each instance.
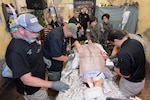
(125, 42)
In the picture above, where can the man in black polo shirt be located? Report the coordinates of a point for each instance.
(25, 59)
(131, 63)
(54, 49)
(75, 20)
(84, 20)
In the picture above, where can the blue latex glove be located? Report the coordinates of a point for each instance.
(59, 86)
(71, 57)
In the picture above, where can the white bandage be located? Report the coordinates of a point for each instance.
(94, 93)
(75, 62)
(107, 88)
(88, 84)
(109, 62)
(99, 76)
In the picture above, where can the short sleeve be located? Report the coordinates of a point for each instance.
(124, 64)
(19, 64)
(56, 47)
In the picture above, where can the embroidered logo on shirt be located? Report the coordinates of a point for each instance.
(64, 40)
(87, 30)
(29, 52)
(39, 49)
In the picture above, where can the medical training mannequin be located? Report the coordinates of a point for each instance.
(92, 69)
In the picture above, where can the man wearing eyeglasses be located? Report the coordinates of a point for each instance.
(131, 63)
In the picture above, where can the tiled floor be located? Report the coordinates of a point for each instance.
(11, 94)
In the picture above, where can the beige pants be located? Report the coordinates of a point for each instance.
(130, 89)
(39, 95)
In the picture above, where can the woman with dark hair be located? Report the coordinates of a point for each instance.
(91, 31)
(105, 28)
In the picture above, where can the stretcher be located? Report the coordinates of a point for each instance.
(71, 77)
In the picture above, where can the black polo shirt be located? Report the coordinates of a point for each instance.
(74, 20)
(84, 18)
(55, 46)
(23, 58)
(131, 60)
(55, 24)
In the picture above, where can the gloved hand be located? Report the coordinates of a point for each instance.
(114, 60)
(110, 64)
(47, 62)
(59, 86)
(71, 57)
(111, 57)
(70, 52)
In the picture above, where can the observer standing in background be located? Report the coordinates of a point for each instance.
(54, 49)
(25, 59)
(75, 19)
(84, 19)
(131, 63)
(54, 23)
(59, 22)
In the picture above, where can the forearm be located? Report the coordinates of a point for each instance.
(61, 58)
(90, 42)
(29, 80)
(88, 36)
(115, 50)
(76, 44)
(117, 70)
